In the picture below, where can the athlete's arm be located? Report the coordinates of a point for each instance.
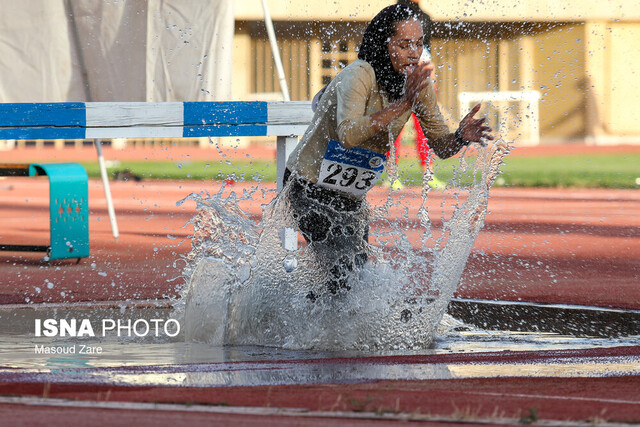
(354, 91)
(417, 81)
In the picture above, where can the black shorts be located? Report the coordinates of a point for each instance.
(335, 227)
(321, 213)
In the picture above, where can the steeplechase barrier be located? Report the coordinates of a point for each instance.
(108, 120)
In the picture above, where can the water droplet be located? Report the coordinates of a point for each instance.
(290, 263)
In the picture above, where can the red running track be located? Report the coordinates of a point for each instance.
(489, 399)
(538, 245)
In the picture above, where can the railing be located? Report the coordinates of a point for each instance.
(106, 120)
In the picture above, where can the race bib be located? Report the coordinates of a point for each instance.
(354, 171)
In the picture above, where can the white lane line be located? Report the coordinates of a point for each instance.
(542, 396)
(142, 303)
(269, 411)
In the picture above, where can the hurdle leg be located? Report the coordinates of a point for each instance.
(284, 146)
(107, 189)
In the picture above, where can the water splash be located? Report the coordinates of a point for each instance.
(245, 288)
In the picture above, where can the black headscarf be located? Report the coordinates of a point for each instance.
(374, 47)
(424, 18)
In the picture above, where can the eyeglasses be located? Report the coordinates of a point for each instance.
(408, 44)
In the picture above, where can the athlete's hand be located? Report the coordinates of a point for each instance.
(474, 130)
(417, 80)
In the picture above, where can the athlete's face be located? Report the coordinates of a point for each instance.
(405, 46)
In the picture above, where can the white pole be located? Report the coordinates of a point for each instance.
(107, 189)
(275, 51)
(96, 142)
(535, 117)
(284, 147)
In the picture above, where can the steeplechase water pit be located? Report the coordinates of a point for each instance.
(460, 350)
(138, 343)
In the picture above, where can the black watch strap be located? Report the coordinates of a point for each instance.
(460, 140)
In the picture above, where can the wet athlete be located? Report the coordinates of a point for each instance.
(422, 144)
(341, 155)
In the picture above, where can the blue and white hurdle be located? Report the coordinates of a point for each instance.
(107, 120)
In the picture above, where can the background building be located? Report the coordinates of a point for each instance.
(580, 55)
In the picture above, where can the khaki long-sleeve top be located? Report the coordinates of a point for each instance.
(344, 114)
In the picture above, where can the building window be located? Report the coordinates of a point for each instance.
(295, 61)
(336, 55)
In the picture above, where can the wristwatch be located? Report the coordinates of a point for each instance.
(460, 140)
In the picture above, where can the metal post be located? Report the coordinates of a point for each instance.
(97, 142)
(107, 189)
(284, 147)
(535, 117)
(275, 51)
